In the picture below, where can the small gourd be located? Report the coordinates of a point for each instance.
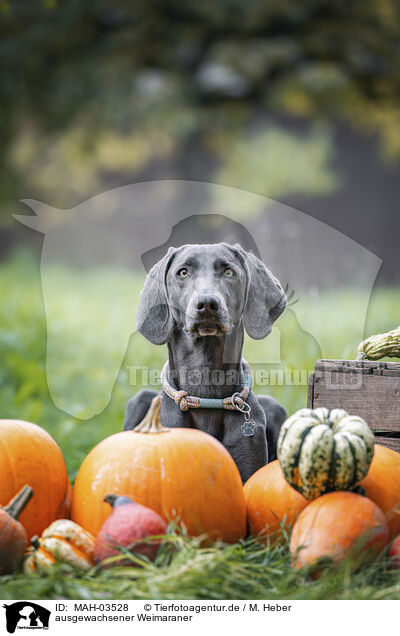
(380, 346)
(324, 450)
(394, 554)
(63, 541)
(128, 524)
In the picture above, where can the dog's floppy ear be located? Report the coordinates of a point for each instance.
(265, 298)
(154, 320)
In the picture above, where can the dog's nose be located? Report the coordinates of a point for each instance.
(207, 304)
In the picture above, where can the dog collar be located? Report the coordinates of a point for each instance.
(235, 402)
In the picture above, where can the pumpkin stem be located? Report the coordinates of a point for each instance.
(151, 423)
(118, 500)
(359, 490)
(18, 503)
(35, 542)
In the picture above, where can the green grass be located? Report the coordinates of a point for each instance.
(245, 570)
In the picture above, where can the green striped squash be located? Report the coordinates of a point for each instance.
(321, 451)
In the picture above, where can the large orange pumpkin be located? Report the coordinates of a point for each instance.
(29, 455)
(336, 525)
(271, 502)
(382, 485)
(179, 473)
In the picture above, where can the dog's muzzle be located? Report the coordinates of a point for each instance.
(207, 316)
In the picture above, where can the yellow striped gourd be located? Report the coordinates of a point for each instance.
(381, 345)
(63, 541)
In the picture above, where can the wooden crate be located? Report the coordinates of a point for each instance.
(361, 387)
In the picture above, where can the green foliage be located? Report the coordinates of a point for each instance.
(244, 570)
(250, 162)
(95, 93)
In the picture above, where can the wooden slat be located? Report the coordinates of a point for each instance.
(391, 442)
(374, 367)
(376, 398)
(310, 390)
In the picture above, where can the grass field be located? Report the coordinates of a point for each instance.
(245, 570)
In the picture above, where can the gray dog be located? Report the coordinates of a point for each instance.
(199, 299)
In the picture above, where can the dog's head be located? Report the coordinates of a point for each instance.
(206, 290)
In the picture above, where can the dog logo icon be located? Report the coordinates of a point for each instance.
(26, 615)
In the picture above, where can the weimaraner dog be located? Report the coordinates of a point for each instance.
(200, 299)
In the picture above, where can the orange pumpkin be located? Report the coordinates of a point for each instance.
(179, 473)
(13, 540)
(28, 455)
(336, 525)
(271, 502)
(382, 485)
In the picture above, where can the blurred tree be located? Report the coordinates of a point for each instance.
(91, 89)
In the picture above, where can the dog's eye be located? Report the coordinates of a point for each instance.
(182, 273)
(228, 273)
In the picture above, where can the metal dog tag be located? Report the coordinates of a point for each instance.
(248, 428)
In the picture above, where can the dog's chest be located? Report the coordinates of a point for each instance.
(209, 420)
